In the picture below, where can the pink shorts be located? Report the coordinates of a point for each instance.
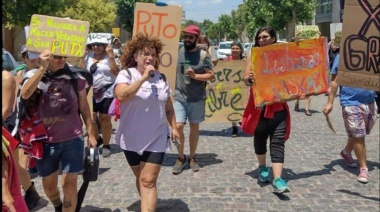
(359, 120)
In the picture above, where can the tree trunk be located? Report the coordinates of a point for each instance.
(291, 27)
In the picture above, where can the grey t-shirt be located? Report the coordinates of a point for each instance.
(196, 90)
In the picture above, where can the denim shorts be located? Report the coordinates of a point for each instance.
(68, 153)
(194, 111)
(359, 120)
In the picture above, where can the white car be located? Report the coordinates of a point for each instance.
(246, 48)
(224, 50)
(9, 63)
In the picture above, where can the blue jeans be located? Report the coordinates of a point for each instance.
(68, 153)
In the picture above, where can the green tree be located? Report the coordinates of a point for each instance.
(100, 14)
(239, 20)
(213, 31)
(126, 12)
(226, 27)
(281, 14)
(18, 13)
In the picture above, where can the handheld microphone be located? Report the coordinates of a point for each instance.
(151, 73)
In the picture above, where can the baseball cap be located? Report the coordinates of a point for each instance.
(192, 29)
(31, 55)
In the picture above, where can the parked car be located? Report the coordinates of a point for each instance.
(246, 48)
(9, 62)
(224, 50)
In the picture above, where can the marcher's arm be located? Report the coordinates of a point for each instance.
(31, 85)
(84, 109)
(114, 68)
(171, 119)
(124, 92)
(6, 196)
(248, 70)
(208, 75)
(330, 101)
(8, 92)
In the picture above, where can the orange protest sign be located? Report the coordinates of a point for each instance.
(284, 72)
(163, 22)
(62, 36)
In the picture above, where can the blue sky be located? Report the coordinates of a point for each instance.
(198, 10)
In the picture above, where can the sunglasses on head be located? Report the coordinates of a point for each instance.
(58, 57)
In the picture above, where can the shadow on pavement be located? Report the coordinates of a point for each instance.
(359, 195)
(41, 204)
(89, 208)
(303, 111)
(203, 159)
(223, 133)
(163, 205)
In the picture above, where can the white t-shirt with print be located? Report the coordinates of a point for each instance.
(143, 123)
(102, 75)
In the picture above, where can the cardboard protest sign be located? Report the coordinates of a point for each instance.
(99, 38)
(359, 61)
(62, 36)
(227, 95)
(307, 31)
(163, 22)
(284, 72)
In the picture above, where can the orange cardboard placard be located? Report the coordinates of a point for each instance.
(227, 95)
(286, 71)
(163, 22)
(62, 36)
(359, 61)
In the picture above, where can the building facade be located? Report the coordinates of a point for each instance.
(327, 12)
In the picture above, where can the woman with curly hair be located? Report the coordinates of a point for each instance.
(146, 111)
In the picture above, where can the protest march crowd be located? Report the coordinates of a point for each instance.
(48, 119)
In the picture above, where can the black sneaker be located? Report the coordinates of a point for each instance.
(234, 131)
(99, 141)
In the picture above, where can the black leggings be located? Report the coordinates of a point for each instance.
(275, 129)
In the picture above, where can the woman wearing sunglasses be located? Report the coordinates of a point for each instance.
(101, 63)
(271, 121)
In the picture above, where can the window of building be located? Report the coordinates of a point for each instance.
(325, 6)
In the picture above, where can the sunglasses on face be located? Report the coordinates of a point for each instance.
(58, 57)
(190, 37)
(263, 37)
(97, 44)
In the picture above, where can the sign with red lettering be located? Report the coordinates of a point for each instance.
(163, 22)
(359, 61)
(284, 72)
(62, 36)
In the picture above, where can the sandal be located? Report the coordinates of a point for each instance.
(307, 112)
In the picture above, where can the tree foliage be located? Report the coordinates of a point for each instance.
(101, 14)
(226, 26)
(18, 13)
(126, 12)
(281, 14)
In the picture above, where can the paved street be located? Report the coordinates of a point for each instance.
(227, 181)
